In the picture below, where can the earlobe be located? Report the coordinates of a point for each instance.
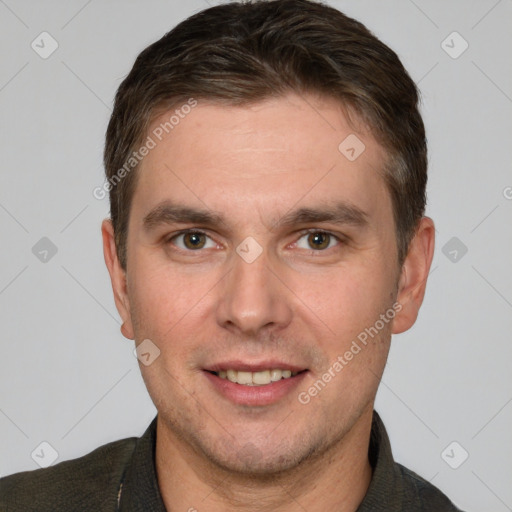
(413, 279)
(127, 331)
(117, 278)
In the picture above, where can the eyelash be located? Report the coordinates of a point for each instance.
(302, 233)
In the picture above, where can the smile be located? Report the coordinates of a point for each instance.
(260, 378)
(255, 384)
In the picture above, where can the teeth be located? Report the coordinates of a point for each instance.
(244, 378)
(259, 378)
(255, 378)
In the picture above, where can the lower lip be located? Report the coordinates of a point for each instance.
(255, 395)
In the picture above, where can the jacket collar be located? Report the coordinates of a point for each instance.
(386, 485)
(139, 490)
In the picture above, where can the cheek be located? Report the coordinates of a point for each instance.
(170, 308)
(358, 341)
(347, 300)
(162, 295)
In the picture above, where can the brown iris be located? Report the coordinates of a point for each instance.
(194, 240)
(319, 240)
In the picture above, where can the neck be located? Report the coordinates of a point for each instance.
(334, 480)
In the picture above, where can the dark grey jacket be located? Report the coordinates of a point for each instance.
(120, 477)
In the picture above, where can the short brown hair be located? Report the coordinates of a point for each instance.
(242, 52)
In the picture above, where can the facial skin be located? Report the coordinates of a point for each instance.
(295, 303)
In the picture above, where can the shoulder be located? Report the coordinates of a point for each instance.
(90, 482)
(417, 490)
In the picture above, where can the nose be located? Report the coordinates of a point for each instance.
(253, 298)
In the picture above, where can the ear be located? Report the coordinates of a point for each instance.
(117, 278)
(413, 279)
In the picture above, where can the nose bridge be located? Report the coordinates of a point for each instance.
(252, 297)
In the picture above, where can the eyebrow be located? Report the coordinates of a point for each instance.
(168, 212)
(337, 213)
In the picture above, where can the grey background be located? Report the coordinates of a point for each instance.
(68, 377)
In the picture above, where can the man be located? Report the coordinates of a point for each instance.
(266, 164)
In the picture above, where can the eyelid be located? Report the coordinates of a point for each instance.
(185, 231)
(321, 230)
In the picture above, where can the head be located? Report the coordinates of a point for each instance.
(288, 139)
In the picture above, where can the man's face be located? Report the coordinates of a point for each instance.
(258, 287)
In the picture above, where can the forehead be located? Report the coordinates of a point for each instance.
(263, 157)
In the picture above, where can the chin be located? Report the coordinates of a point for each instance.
(246, 463)
(262, 459)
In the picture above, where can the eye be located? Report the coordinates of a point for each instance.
(192, 241)
(317, 240)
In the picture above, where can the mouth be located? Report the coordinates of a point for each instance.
(258, 385)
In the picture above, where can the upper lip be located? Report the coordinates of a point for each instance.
(244, 366)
